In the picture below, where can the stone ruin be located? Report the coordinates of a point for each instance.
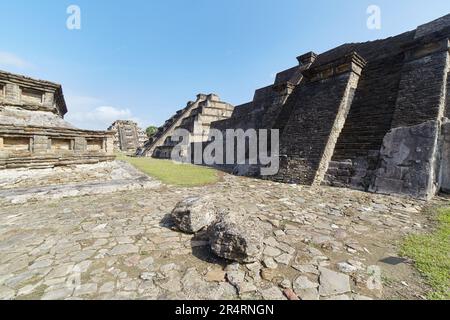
(369, 116)
(231, 235)
(128, 136)
(372, 116)
(196, 117)
(33, 132)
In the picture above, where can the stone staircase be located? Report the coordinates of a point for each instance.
(196, 118)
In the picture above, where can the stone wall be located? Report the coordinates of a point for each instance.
(367, 123)
(406, 86)
(33, 132)
(422, 90)
(48, 147)
(343, 114)
(433, 26)
(445, 156)
(31, 94)
(267, 110)
(409, 161)
(320, 107)
(263, 112)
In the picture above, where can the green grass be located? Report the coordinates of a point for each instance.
(168, 172)
(431, 253)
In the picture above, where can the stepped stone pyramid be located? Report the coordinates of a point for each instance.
(196, 117)
(128, 136)
(370, 116)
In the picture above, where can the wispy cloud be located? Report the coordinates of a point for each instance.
(91, 113)
(8, 60)
(100, 118)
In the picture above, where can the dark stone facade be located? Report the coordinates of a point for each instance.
(343, 113)
(320, 106)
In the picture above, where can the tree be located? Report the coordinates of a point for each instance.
(151, 131)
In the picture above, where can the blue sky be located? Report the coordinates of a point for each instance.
(144, 59)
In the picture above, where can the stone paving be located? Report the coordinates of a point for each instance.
(23, 185)
(323, 243)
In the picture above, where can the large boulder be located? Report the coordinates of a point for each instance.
(194, 214)
(236, 238)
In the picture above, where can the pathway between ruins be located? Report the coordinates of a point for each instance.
(325, 243)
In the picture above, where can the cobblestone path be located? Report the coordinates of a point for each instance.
(325, 243)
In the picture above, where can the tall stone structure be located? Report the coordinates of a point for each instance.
(33, 132)
(369, 116)
(196, 118)
(128, 136)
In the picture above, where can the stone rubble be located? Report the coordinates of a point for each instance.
(194, 214)
(236, 239)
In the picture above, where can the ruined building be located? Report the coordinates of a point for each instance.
(369, 116)
(196, 118)
(128, 136)
(33, 132)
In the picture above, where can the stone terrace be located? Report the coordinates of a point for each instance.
(122, 246)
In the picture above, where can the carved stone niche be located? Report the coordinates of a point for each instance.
(95, 144)
(15, 144)
(61, 144)
(31, 96)
(2, 91)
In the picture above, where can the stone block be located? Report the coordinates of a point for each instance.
(194, 214)
(408, 161)
(40, 144)
(235, 238)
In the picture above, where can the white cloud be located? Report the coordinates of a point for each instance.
(9, 60)
(91, 113)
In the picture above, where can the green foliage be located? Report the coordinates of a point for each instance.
(151, 131)
(169, 172)
(431, 253)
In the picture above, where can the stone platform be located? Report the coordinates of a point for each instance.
(24, 185)
(321, 243)
(33, 132)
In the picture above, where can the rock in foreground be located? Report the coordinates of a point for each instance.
(193, 214)
(236, 239)
(333, 283)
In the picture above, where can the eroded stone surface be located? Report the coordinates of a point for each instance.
(19, 186)
(193, 214)
(236, 238)
(333, 283)
(61, 248)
